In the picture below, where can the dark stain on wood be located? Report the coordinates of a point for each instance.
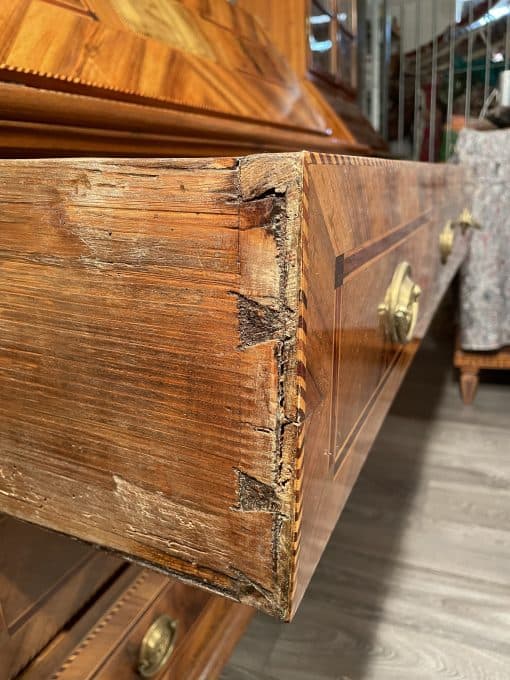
(257, 323)
(254, 495)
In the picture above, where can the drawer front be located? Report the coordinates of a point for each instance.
(363, 219)
(192, 367)
(364, 352)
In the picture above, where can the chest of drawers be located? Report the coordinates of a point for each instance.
(196, 355)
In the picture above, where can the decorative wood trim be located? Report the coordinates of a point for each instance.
(71, 123)
(344, 450)
(335, 377)
(78, 6)
(339, 270)
(301, 383)
(108, 620)
(370, 251)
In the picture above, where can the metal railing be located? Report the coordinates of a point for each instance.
(431, 67)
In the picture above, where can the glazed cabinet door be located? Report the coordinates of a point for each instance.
(196, 355)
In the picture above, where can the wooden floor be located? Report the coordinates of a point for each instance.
(415, 583)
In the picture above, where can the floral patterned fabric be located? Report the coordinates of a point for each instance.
(485, 276)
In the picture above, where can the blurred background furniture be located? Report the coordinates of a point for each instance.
(484, 337)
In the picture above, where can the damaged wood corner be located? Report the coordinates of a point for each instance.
(257, 322)
(269, 187)
(269, 174)
(254, 495)
(268, 302)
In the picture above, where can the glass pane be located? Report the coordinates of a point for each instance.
(321, 44)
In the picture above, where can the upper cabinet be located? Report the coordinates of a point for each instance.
(188, 77)
(319, 38)
(179, 78)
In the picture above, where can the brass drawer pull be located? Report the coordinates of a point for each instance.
(157, 646)
(446, 240)
(447, 237)
(399, 311)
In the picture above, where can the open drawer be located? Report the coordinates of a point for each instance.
(194, 356)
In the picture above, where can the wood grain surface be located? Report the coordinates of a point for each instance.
(174, 349)
(146, 318)
(370, 215)
(171, 54)
(414, 582)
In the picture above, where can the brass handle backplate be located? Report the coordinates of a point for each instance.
(157, 646)
(465, 221)
(399, 311)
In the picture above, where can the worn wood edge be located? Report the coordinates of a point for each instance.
(281, 176)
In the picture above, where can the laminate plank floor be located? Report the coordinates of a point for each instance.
(415, 582)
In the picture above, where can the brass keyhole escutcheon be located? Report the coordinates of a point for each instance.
(157, 646)
(399, 311)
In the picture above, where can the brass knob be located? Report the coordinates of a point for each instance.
(465, 221)
(399, 311)
(157, 646)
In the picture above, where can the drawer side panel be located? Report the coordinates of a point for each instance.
(143, 403)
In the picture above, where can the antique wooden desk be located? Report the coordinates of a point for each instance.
(195, 354)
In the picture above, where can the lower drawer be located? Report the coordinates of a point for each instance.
(45, 578)
(150, 627)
